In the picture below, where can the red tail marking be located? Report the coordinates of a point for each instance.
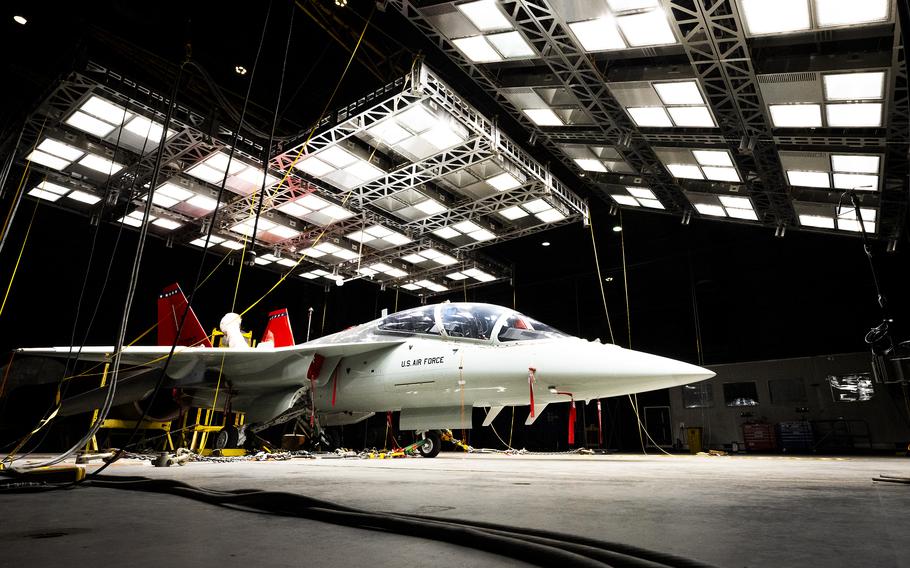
(171, 306)
(279, 327)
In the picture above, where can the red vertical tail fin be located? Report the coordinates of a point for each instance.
(171, 306)
(279, 329)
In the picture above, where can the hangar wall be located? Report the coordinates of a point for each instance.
(796, 390)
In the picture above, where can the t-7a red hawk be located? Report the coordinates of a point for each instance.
(433, 363)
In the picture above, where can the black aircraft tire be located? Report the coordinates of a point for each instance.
(226, 438)
(431, 446)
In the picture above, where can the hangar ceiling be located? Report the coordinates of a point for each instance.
(758, 112)
(754, 111)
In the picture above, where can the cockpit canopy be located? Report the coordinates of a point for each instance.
(484, 322)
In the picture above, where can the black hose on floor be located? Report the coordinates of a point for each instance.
(538, 547)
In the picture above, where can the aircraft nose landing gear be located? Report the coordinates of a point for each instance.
(431, 444)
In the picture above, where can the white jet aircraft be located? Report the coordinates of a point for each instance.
(433, 363)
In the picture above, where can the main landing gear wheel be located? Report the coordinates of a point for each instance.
(227, 437)
(431, 445)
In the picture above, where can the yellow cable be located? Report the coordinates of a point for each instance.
(19, 258)
(28, 164)
(300, 153)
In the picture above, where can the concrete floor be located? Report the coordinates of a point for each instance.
(738, 511)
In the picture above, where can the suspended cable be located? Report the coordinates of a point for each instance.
(163, 371)
(19, 258)
(600, 280)
(268, 147)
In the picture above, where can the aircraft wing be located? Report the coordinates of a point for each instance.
(234, 362)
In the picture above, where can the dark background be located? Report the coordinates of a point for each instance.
(758, 296)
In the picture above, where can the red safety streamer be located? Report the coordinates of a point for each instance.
(572, 423)
(571, 416)
(334, 384)
(600, 432)
(531, 380)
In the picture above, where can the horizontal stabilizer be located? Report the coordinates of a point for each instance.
(538, 410)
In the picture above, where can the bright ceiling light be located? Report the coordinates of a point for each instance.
(685, 171)
(550, 216)
(512, 213)
(652, 203)
(713, 158)
(389, 132)
(446, 233)
(202, 202)
(163, 200)
(862, 182)
(485, 14)
(60, 149)
(735, 202)
(626, 200)
(167, 224)
(84, 197)
(100, 164)
(775, 16)
(504, 181)
(418, 118)
(466, 227)
(646, 28)
(457, 276)
(847, 12)
(430, 207)
(337, 156)
(695, 116)
(679, 93)
(52, 162)
(336, 213)
(799, 116)
(21, 20)
(364, 170)
(146, 129)
(42, 194)
(536, 206)
(808, 179)
(105, 110)
(591, 164)
(284, 232)
(720, 174)
(854, 86)
(314, 166)
(174, 191)
(818, 221)
(712, 210)
(623, 5)
(254, 176)
(744, 214)
(313, 202)
(511, 45)
(543, 116)
(598, 35)
(855, 164)
(477, 49)
(649, 116)
(854, 114)
(482, 235)
(206, 173)
(641, 192)
(90, 124)
(442, 136)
